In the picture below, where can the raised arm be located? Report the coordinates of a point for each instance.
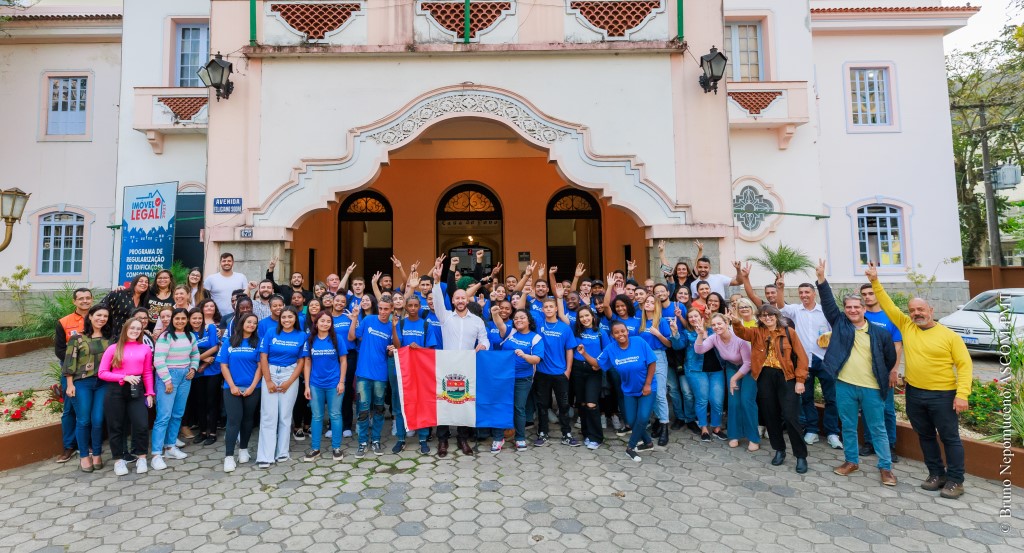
(743, 275)
(898, 317)
(828, 299)
(345, 277)
(375, 286)
(559, 292)
(665, 269)
(399, 270)
(440, 309)
(580, 271)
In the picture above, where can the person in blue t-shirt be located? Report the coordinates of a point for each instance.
(239, 361)
(496, 333)
(874, 314)
(325, 382)
(413, 331)
(553, 373)
(529, 349)
(342, 323)
(376, 336)
(282, 356)
(635, 362)
(586, 380)
(270, 323)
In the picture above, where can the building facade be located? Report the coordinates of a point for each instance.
(564, 132)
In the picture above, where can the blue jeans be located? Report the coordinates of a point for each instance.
(369, 395)
(852, 400)
(332, 399)
(890, 421)
(522, 394)
(742, 419)
(68, 421)
(661, 379)
(708, 389)
(169, 409)
(809, 415)
(638, 411)
(682, 397)
(88, 401)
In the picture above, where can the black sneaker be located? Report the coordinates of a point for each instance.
(624, 431)
(867, 450)
(631, 453)
(129, 458)
(399, 446)
(424, 448)
(337, 454)
(361, 451)
(646, 446)
(570, 441)
(892, 453)
(299, 435)
(720, 434)
(210, 440)
(705, 437)
(677, 424)
(692, 425)
(311, 455)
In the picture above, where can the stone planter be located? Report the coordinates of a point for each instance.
(30, 446)
(13, 349)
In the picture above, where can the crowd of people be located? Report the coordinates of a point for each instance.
(613, 355)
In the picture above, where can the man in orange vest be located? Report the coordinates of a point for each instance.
(67, 327)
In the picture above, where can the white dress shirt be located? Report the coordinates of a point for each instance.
(810, 323)
(459, 332)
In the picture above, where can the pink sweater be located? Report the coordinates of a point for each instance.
(138, 361)
(737, 351)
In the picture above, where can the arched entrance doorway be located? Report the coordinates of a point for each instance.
(469, 219)
(573, 232)
(365, 233)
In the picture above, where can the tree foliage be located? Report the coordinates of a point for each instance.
(989, 74)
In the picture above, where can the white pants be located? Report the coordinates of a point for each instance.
(276, 417)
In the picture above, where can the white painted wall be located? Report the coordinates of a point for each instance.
(145, 62)
(78, 174)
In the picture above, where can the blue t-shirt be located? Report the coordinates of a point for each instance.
(536, 308)
(652, 340)
(204, 342)
(325, 365)
(594, 341)
(284, 349)
(882, 320)
(341, 325)
(411, 332)
(631, 363)
(531, 343)
(435, 327)
(266, 326)
(632, 324)
(374, 338)
(242, 362)
(571, 315)
(672, 309)
(558, 339)
(494, 335)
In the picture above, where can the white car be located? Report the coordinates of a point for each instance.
(969, 320)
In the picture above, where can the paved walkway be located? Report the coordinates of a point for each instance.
(688, 496)
(26, 371)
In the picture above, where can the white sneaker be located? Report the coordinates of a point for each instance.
(604, 421)
(810, 438)
(175, 453)
(327, 434)
(179, 443)
(593, 445)
(158, 462)
(243, 455)
(140, 466)
(834, 441)
(229, 464)
(121, 467)
(616, 423)
(346, 434)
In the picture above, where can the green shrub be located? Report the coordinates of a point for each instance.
(43, 313)
(984, 413)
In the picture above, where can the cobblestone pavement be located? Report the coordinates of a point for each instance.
(26, 371)
(688, 496)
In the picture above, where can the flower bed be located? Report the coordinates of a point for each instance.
(32, 435)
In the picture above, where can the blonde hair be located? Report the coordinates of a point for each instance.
(657, 315)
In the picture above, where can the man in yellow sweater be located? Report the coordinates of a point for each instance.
(938, 375)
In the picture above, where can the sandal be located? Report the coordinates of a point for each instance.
(753, 446)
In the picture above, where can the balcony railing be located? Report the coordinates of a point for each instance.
(779, 105)
(169, 110)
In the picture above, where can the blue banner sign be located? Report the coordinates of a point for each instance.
(147, 228)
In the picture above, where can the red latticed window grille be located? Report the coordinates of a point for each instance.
(315, 20)
(615, 18)
(450, 15)
(184, 108)
(755, 102)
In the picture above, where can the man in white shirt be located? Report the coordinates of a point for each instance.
(226, 281)
(810, 323)
(719, 283)
(460, 330)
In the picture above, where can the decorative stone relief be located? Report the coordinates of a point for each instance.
(752, 200)
(457, 102)
(450, 16)
(315, 21)
(615, 19)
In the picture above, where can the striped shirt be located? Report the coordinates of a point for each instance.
(178, 353)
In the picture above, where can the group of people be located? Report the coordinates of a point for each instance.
(641, 358)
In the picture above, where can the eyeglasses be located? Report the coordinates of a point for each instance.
(766, 315)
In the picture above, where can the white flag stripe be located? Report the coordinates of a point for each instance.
(456, 387)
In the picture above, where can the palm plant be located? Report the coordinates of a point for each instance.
(782, 260)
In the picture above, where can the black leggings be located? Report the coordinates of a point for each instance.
(778, 401)
(302, 414)
(241, 414)
(348, 398)
(586, 384)
(121, 408)
(206, 390)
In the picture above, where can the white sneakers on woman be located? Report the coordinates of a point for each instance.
(121, 467)
(140, 466)
(175, 453)
(158, 462)
(243, 455)
(229, 464)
